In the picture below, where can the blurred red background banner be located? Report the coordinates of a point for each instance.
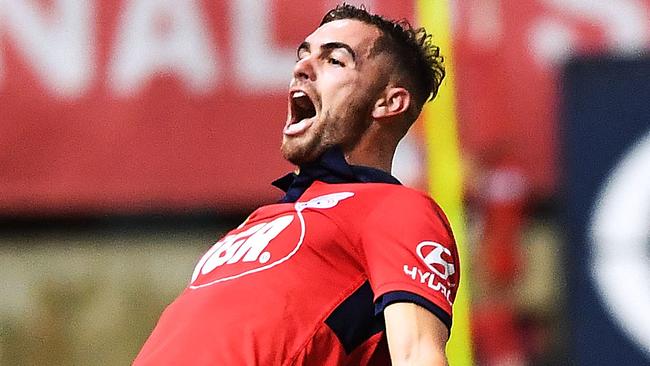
(509, 58)
(142, 105)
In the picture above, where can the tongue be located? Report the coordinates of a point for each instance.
(298, 127)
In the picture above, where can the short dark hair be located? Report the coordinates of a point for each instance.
(417, 59)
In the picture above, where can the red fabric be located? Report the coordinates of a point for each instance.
(508, 58)
(260, 295)
(402, 221)
(496, 335)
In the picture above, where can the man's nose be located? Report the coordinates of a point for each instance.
(304, 69)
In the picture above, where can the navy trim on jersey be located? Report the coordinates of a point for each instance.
(331, 167)
(354, 321)
(405, 296)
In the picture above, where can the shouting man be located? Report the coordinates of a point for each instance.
(350, 267)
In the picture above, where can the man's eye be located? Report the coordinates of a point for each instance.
(302, 53)
(334, 61)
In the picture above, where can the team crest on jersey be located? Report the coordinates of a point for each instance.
(254, 248)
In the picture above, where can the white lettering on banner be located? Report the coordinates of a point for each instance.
(57, 44)
(552, 42)
(247, 246)
(624, 23)
(485, 23)
(430, 279)
(331, 4)
(178, 44)
(260, 64)
(58, 41)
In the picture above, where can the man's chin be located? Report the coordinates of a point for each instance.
(299, 155)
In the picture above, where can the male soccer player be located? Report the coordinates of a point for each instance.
(350, 267)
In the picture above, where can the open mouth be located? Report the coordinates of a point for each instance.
(302, 112)
(301, 107)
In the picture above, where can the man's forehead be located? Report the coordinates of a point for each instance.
(355, 33)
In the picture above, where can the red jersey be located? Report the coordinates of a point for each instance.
(306, 282)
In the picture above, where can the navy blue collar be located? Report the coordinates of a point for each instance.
(331, 167)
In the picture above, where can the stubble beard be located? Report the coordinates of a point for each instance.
(300, 153)
(327, 135)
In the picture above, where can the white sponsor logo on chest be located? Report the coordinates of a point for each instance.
(254, 249)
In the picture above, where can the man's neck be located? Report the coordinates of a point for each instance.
(377, 162)
(372, 152)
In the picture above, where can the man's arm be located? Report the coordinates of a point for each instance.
(415, 335)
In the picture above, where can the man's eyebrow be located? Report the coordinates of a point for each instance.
(334, 45)
(329, 46)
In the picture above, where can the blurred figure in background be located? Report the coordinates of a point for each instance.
(500, 194)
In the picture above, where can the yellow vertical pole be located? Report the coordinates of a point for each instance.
(444, 169)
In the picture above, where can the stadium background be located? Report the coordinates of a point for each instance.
(134, 132)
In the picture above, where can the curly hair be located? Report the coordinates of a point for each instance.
(417, 59)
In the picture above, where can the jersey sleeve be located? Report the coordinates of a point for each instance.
(410, 254)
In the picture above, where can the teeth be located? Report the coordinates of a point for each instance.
(298, 94)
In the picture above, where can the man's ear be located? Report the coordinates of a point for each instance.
(396, 100)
